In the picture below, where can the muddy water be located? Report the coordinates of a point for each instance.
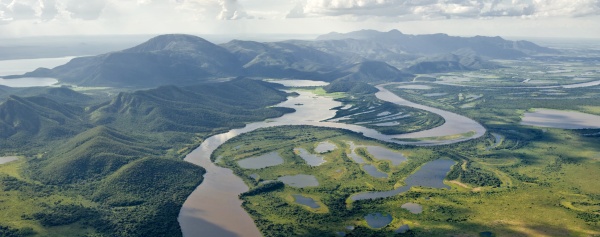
(213, 209)
(454, 123)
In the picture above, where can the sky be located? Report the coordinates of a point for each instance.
(507, 18)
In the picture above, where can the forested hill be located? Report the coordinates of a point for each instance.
(117, 167)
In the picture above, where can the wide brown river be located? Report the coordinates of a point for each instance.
(214, 209)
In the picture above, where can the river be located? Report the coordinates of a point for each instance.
(214, 209)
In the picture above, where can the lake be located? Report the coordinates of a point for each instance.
(378, 220)
(262, 161)
(310, 159)
(325, 147)
(431, 174)
(374, 172)
(381, 153)
(22, 66)
(306, 201)
(560, 119)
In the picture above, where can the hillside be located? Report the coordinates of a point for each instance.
(432, 44)
(202, 108)
(449, 63)
(356, 78)
(32, 120)
(162, 60)
(282, 59)
(116, 168)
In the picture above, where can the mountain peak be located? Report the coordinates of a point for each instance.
(172, 42)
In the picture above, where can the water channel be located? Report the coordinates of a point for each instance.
(214, 209)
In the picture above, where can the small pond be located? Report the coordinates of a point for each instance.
(299, 181)
(373, 171)
(355, 157)
(431, 175)
(325, 147)
(311, 159)
(378, 220)
(381, 153)
(306, 201)
(4, 160)
(402, 229)
(262, 161)
(413, 208)
(560, 119)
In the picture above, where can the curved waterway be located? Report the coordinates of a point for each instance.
(214, 209)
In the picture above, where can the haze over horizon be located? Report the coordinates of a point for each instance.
(507, 18)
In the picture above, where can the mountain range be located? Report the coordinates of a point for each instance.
(185, 59)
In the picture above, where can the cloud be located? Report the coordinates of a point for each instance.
(89, 10)
(434, 9)
(231, 10)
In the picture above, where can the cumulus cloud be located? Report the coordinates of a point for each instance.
(89, 10)
(231, 10)
(427, 9)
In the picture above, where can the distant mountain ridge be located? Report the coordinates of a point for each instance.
(178, 59)
(492, 47)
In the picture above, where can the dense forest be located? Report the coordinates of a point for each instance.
(115, 167)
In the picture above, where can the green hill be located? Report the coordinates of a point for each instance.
(33, 120)
(202, 108)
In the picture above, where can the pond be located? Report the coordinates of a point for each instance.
(413, 208)
(311, 159)
(306, 201)
(381, 153)
(262, 161)
(560, 119)
(431, 174)
(355, 157)
(299, 181)
(374, 172)
(378, 220)
(324, 147)
(7, 159)
(402, 229)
